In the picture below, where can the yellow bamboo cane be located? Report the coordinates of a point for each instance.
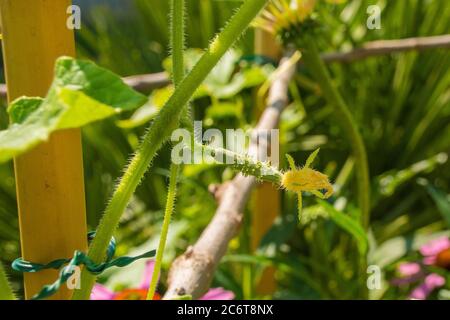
(49, 179)
(266, 198)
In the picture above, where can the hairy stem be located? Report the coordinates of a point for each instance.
(177, 44)
(6, 292)
(177, 40)
(349, 126)
(174, 169)
(312, 59)
(247, 165)
(159, 132)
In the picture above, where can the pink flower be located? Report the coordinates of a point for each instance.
(436, 253)
(432, 249)
(431, 282)
(409, 272)
(101, 292)
(408, 269)
(218, 294)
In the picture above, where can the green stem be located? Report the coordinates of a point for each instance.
(177, 44)
(177, 40)
(158, 134)
(348, 124)
(6, 293)
(174, 169)
(244, 164)
(312, 59)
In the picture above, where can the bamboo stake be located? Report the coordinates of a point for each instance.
(49, 179)
(266, 198)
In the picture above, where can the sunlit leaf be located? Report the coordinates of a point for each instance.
(390, 181)
(349, 224)
(6, 292)
(442, 201)
(81, 93)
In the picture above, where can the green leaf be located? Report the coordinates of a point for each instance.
(348, 224)
(442, 201)
(225, 80)
(396, 248)
(96, 82)
(311, 158)
(6, 292)
(83, 109)
(223, 71)
(21, 108)
(149, 110)
(81, 93)
(291, 162)
(444, 294)
(390, 181)
(247, 78)
(185, 297)
(282, 229)
(225, 110)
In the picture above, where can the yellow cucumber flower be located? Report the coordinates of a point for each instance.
(281, 15)
(306, 179)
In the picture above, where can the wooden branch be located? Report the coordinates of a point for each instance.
(3, 91)
(192, 272)
(382, 47)
(142, 83)
(147, 82)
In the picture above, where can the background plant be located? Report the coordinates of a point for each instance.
(401, 105)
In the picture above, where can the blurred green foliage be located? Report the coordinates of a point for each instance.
(402, 105)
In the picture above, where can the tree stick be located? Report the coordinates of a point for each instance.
(147, 82)
(142, 82)
(192, 272)
(266, 197)
(382, 47)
